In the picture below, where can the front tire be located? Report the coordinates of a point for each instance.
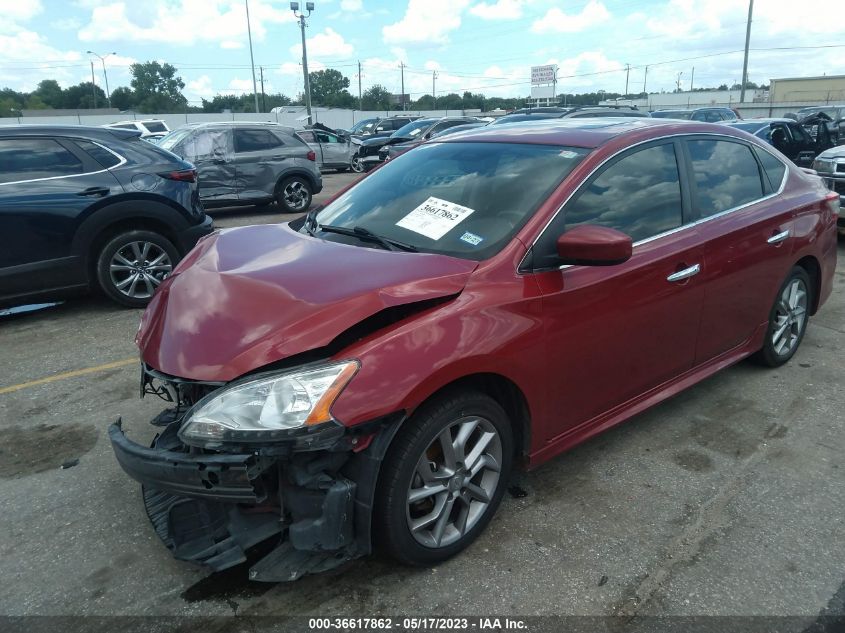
(356, 165)
(133, 264)
(293, 195)
(443, 478)
(787, 319)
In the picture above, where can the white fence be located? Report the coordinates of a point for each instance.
(294, 117)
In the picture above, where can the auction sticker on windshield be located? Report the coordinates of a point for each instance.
(434, 218)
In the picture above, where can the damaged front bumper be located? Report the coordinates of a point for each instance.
(212, 507)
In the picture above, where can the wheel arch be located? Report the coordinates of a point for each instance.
(312, 182)
(811, 265)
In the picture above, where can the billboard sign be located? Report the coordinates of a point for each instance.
(543, 74)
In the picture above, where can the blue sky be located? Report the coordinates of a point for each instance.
(478, 45)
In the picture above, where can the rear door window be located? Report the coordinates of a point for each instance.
(206, 144)
(726, 175)
(34, 158)
(255, 141)
(640, 195)
(774, 169)
(103, 156)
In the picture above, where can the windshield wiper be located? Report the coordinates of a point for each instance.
(365, 234)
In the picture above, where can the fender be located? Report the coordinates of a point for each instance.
(138, 207)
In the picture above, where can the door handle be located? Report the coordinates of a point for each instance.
(777, 238)
(686, 273)
(94, 191)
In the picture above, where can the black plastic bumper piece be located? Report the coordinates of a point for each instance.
(188, 238)
(218, 477)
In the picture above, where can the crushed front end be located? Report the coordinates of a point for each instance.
(309, 488)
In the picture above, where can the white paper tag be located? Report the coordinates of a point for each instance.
(434, 218)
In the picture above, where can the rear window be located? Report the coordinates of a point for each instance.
(99, 153)
(33, 158)
(155, 126)
(726, 175)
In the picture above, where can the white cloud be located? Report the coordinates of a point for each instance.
(66, 24)
(163, 21)
(556, 21)
(329, 43)
(351, 5)
(231, 44)
(501, 10)
(20, 10)
(426, 22)
(199, 88)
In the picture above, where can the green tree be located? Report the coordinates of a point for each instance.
(425, 102)
(451, 101)
(157, 88)
(123, 98)
(327, 86)
(81, 97)
(376, 97)
(50, 93)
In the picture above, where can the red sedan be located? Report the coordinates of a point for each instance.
(369, 375)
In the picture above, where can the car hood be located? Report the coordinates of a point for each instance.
(384, 140)
(833, 152)
(250, 296)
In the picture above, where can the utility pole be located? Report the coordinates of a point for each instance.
(433, 92)
(402, 93)
(93, 85)
(745, 59)
(251, 59)
(105, 74)
(692, 78)
(263, 95)
(678, 81)
(309, 6)
(627, 73)
(360, 97)
(645, 76)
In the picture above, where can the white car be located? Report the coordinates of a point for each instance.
(149, 128)
(333, 151)
(830, 165)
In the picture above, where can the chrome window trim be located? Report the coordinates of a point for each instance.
(122, 162)
(678, 229)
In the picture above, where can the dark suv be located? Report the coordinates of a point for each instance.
(249, 163)
(85, 207)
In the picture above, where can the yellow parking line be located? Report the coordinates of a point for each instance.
(69, 374)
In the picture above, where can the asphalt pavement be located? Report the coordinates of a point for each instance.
(728, 499)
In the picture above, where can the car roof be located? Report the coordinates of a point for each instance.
(587, 133)
(271, 124)
(88, 131)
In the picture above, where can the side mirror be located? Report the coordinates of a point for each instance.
(590, 245)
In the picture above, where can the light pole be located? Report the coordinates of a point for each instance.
(105, 75)
(309, 6)
(251, 58)
(745, 58)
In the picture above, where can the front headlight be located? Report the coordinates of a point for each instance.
(267, 408)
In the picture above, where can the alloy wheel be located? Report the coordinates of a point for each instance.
(454, 482)
(790, 315)
(357, 165)
(137, 269)
(296, 195)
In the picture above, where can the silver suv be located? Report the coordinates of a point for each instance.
(248, 164)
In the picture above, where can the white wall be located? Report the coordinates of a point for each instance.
(291, 116)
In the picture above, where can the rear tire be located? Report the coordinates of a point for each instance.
(132, 264)
(433, 500)
(293, 195)
(787, 319)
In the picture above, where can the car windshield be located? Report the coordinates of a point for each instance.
(170, 141)
(752, 127)
(363, 125)
(412, 129)
(462, 199)
(515, 118)
(672, 114)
